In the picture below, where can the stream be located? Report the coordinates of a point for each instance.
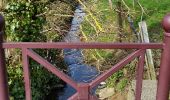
(77, 69)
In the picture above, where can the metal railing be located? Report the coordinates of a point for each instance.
(83, 89)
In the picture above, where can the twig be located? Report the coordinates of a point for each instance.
(63, 15)
(142, 9)
(92, 16)
(126, 6)
(42, 14)
(44, 31)
(91, 24)
(111, 4)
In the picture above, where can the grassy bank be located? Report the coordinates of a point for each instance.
(103, 24)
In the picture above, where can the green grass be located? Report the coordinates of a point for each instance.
(107, 19)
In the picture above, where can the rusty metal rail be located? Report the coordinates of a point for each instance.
(62, 45)
(83, 89)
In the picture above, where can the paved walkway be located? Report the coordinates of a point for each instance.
(148, 90)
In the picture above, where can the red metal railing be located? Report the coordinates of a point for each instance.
(83, 89)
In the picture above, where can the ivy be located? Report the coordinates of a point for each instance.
(22, 21)
(23, 24)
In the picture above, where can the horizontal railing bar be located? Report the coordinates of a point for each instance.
(79, 45)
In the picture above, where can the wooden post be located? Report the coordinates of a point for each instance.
(149, 60)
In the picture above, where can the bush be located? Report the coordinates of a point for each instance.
(23, 25)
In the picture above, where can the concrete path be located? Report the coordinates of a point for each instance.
(148, 90)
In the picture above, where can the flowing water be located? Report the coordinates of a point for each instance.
(73, 58)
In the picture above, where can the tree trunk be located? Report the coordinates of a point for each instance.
(120, 20)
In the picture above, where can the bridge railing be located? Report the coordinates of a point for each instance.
(83, 89)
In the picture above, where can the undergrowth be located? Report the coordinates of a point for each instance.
(35, 21)
(101, 24)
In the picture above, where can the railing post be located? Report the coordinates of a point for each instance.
(83, 91)
(4, 95)
(164, 73)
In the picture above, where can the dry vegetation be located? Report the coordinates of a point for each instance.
(58, 17)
